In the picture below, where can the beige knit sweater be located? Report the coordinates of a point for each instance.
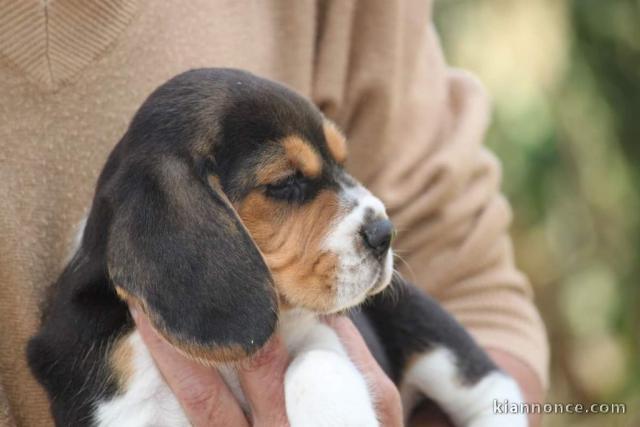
(72, 73)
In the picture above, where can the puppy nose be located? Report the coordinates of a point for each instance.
(377, 235)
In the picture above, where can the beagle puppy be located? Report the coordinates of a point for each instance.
(225, 213)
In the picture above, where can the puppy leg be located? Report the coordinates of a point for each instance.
(323, 387)
(436, 374)
(432, 355)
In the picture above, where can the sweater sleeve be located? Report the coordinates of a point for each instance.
(416, 128)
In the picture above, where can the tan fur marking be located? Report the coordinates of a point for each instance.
(302, 156)
(336, 141)
(205, 355)
(273, 170)
(121, 361)
(290, 239)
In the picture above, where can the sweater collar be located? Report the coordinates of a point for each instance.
(52, 41)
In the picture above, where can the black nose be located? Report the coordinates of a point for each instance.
(377, 235)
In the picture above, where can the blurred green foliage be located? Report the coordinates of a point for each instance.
(564, 76)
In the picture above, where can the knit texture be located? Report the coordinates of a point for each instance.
(72, 73)
(52, 41)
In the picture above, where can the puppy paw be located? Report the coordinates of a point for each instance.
(495, 394)
(479, 404)
(323, 388)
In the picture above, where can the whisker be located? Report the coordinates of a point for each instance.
(413, 277)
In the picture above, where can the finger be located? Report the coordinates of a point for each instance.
(385, 393)
(355, 345)
(262, 380)
(200, 390)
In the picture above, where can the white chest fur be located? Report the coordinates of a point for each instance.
(322, 386)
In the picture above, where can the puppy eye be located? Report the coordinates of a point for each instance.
(290, 189)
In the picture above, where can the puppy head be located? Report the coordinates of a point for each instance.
(225, 201)
(324, 237)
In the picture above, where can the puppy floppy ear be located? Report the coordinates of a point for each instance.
(177, 247)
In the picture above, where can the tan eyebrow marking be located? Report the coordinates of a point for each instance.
(336, 141)
(273, 170)
(302, 156)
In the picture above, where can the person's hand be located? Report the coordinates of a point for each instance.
(202, 392)
(207, 401)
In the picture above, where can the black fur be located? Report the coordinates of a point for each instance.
(408, 323)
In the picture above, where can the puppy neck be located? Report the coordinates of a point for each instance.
(295, 324)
